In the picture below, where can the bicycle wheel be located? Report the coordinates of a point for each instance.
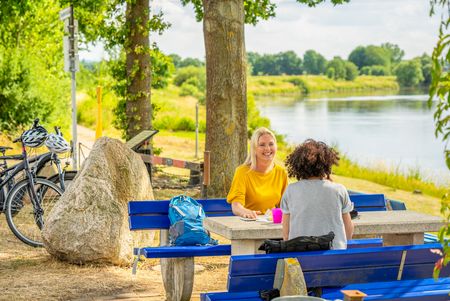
(21, 214)
(69, 175)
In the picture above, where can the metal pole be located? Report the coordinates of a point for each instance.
(74, 86)
(196, 130)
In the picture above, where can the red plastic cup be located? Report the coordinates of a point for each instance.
(277, 215)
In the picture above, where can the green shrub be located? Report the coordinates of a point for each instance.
(186, 73)
(184, 124)
(331, 73)
(188, 90)
(351, 71)
(378, 70)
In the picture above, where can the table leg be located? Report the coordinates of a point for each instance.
(245, 246)
(177, 274)
(178, 278)
(402, 239)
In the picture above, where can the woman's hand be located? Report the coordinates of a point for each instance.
(240, 210)
(250, 214)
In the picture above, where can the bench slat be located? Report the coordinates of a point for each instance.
(185, 251)
(162, 207)
(333, 277)
(334, 259)
(146, 215)
(401, 290)
(335, 267)
(222, 296)
(145, 222)
(369, 202)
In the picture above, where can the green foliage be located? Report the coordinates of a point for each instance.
(179, 124)
(189, 73)
(338, 68)
(32, 81)
(390, 177)
(18, 104)
(162, 68)
(254, 119)
(331, 73)
(192, 81)
(314, 62)
(312, 3)
(373, 55)
(275, 64)
(426, 65)
(375, 70)
(440, 90)
(409, 73)
(351, 71)
(396, 54)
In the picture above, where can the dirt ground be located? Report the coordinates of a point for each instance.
(28, 273)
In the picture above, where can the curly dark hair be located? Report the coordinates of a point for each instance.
(311, 159)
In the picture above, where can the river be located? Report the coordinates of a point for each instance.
(394, 131)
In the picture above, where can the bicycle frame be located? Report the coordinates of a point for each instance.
(23, 166)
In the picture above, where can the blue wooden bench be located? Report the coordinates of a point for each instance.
(177, 262)
(331, 270)
(369, 202)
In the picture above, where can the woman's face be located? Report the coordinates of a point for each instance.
(266, 149)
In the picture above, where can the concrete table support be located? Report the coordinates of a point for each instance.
(177, 274)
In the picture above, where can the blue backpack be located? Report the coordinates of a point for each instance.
(186, 223)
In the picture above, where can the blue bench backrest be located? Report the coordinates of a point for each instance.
(369, 202)
(336, 267)
(153, 214)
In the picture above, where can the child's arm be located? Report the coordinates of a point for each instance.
(286, 220)
(348, 225)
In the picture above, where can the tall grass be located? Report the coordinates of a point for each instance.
(304, 84)
(411, 181)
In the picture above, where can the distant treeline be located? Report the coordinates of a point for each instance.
(383, 60)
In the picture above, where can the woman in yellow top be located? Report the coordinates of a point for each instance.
(258, 183)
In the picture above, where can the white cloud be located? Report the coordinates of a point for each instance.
(328, 29)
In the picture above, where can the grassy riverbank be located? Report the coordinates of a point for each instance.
(304, 84)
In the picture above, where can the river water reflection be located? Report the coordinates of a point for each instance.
(395, 131)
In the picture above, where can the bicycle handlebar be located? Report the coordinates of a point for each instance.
(35, 123)
(58, 130)
(17, 140)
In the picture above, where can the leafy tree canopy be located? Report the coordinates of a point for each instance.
(314, 62)
(32, 81)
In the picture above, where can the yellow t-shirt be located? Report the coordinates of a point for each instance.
(258, 191)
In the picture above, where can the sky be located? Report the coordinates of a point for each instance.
(330, 30)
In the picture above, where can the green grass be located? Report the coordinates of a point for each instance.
(302, 84)
(392, 178)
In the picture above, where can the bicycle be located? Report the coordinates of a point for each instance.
(63, 177)
(30, 198)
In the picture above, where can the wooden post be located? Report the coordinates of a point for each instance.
(99, 128)
(353, 295)
(206, 173)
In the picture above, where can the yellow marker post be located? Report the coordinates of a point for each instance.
(99, 128)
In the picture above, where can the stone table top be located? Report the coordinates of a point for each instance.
(372, 222)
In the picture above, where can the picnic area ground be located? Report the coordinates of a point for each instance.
(28, 273)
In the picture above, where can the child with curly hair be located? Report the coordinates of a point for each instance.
(315, 205)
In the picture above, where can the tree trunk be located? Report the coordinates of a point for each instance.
(226, 99)
(138, 67)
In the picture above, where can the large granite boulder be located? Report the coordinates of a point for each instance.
(90, 222)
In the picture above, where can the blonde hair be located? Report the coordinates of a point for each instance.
(251, 156)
